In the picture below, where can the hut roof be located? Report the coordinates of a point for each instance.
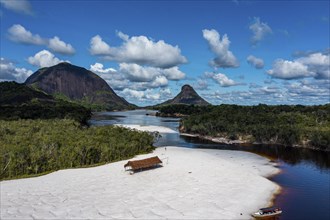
(142, 164)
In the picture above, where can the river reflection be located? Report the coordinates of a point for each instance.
(289, 155)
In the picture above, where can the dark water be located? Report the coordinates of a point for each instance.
(305, 176)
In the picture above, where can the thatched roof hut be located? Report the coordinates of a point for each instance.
(147, 163)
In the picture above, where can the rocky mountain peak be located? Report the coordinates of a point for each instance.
(187, 96)
(187, 88)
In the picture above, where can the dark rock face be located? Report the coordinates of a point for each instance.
(187, 96)
(76, 83)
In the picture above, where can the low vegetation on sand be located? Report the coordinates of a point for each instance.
(33, 147)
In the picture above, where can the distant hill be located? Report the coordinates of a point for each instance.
(72, 82)
(19, 101)
(187, 96)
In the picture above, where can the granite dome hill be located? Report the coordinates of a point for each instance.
(77, 84)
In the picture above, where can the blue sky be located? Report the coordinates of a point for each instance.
(241, 52)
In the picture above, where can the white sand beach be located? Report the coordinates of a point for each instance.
(150, 128)
(192, 184)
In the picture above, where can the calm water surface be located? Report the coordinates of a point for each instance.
(305, 176)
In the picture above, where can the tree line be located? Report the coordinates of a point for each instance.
(307, 126)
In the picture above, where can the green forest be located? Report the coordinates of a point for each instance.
(34, 147)
(306, 126)
(181, 109)
(18, 101)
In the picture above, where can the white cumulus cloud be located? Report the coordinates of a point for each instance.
(133, 93)
(224, 57)
(159, 81)
(18, 33)
(139, 50)
(173, 73)
(115, 79)
(315, 65)
(269, 89)
(58, 46)
(98, 46)
(311, 91)
(285, 69)
(137, 73)
(9, 72)
(153, 96)
(257, 63)
(19, 6)
(201, 84)
(222, 79)
(319, 88)
(136, 77)
(98, 68)
(318, 64)
(166, 92)
(259, 30)
(149, 96)
(44, 58)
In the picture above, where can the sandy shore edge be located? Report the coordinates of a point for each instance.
(150, 128)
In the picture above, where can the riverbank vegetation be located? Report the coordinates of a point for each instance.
(105, 103)
(306, 126)
(33, 147)
(181, 110)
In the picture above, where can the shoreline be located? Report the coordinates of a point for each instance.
(219, 140)
(223, 140)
